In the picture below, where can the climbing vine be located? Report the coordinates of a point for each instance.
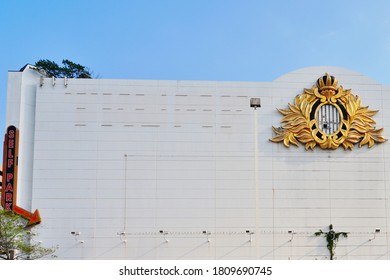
(332, 238)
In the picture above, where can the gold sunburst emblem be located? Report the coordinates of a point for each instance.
(328, 116)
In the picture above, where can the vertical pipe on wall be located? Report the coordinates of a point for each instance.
(256, 156)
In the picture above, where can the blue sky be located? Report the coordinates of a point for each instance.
(229, 40)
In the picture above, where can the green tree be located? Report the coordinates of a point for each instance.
(16, 240)
(69, 69)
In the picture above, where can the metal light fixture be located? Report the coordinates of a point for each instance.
(250, 233)
(207, 233)
(292, 235)
(377, 230)
(122, 236)
(164, 233)
(76, 234)
(255, 102)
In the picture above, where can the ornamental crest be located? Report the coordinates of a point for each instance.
(328, 116)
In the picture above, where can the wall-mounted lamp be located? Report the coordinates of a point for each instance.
(207, 233)
(377, 230)
(250, 233)
(76, 234)
(122, 236)
(255, 103)
(164, 233)
(292, 235)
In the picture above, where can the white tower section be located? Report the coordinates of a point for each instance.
(22, 89)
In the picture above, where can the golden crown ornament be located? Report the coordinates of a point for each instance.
(327, 116)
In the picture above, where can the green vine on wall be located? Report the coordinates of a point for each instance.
(332, 238)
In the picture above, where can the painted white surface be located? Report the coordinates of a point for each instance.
(138, 157)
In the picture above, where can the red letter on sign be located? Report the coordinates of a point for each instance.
(11, 143)
(10, 153)
(9, 188)
(8, 197)
(9, 176)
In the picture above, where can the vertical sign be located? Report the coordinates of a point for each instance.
(9, 170)
(10, 175)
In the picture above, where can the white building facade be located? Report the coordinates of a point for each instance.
(131, 169)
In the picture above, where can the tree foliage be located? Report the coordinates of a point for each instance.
(69, 69)
(16, 241)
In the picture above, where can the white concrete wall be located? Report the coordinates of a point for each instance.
(189, 156)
